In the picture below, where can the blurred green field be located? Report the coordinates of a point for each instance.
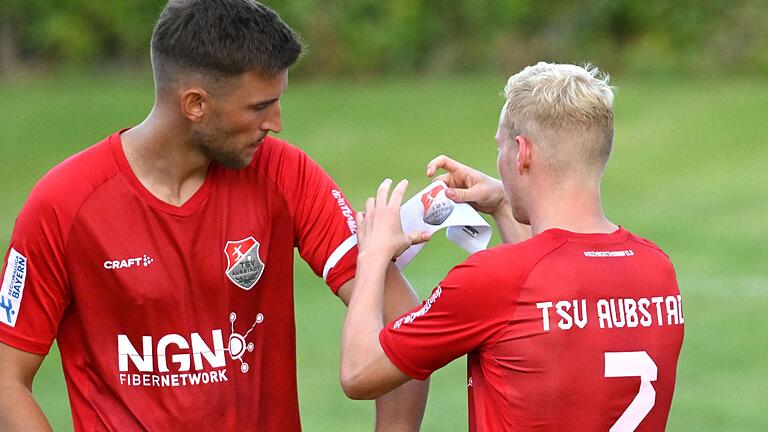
(689, 170)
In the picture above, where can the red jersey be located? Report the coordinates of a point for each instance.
(174, 318)
(564, 331)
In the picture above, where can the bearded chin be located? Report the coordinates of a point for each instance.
(213, 145)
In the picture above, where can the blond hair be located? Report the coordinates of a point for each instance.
(567, 110)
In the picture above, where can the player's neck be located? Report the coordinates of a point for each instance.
(160, 156)
(573, 208)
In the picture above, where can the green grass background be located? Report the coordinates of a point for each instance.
(689, 171)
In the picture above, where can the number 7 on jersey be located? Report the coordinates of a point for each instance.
(630, 364)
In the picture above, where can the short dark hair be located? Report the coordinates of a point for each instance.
(221, 39)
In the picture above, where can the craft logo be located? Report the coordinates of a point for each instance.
(176, 361)
(142, 261)
(437, 207)
(244, 267)
(12, 288)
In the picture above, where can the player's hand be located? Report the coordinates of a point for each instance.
(379, 231)
(466, 184)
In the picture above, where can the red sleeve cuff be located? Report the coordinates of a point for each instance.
(24, 344)
(337, 279)
(343, 271)
(398, 360)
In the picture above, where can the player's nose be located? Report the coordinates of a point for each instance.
(274, 120)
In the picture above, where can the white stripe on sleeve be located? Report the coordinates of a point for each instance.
(338, 254)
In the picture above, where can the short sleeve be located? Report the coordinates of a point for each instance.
(324, 221)
(468, 308)
(35, 291)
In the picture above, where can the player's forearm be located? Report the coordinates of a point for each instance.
(402, 409)
(510, 230)
(362, 325)
(19, 411)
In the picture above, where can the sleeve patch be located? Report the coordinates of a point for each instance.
(12, 288)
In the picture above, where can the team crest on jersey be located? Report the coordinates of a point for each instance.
(244, 267)
(437, 207)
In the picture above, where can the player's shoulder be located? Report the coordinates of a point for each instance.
(285, 165)
(272, 145)
(507, 263)
(67, 185)
(525, 253)
(276, 152)
(648, 246)
(653, 257)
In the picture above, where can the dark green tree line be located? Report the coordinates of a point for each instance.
(363, 37)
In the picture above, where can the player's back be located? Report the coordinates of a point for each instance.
(594, 333)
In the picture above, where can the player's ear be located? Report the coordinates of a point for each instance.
(523, 157)
(195, 103)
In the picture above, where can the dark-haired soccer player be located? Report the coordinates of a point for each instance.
(577, 328)
(161, 258)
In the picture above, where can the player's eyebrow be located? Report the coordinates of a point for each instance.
(263, 103)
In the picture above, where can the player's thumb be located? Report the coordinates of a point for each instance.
(419, 237)
(459, 195)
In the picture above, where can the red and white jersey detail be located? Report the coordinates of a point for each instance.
(564, 331)
(174, 318)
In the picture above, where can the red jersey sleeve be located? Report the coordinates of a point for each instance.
(324, 221)
(468, 308)
(35, 291)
